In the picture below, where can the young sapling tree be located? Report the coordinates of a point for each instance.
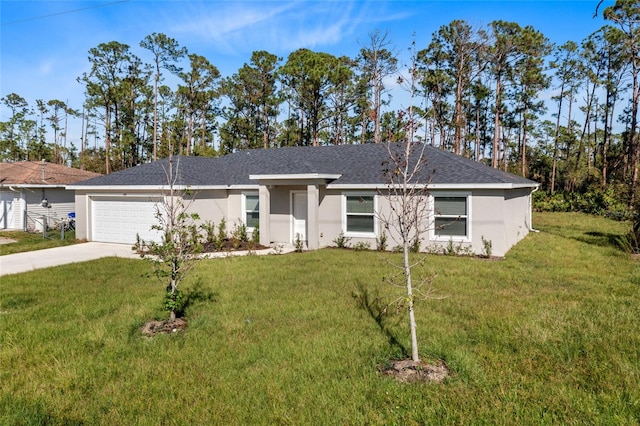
(408, 215)
(176, 252)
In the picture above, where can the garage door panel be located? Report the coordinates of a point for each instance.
(120, 220)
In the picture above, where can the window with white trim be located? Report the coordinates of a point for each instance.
(251, 211)
(359, 214)
(451, 217)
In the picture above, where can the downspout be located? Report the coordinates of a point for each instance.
(531, 229)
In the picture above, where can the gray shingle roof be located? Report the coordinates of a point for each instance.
(358, 165)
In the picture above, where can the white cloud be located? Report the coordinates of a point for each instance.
(230, 26)
(237, 27)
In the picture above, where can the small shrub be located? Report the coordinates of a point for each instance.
(298, 243)
(341, 241)
(255, 236)
(251, 245)
(381, 243)
(239, 233)
(459, 249)
(139, 244)
(222, 234)
(362, 246)
(487, 247)
(449, 249)
(209, 229)
(253, 241)
(415, 246)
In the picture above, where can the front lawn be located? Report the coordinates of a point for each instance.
(30, 241)
(550, 334)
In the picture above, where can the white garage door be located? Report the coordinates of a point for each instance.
(118, 220)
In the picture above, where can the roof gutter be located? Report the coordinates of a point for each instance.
(144, 187)
(301, 179)
(38, 185)
(440, 186)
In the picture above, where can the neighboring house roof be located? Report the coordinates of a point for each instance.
(343, 165)
(38, 173)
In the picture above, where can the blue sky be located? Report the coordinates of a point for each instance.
(44, 44)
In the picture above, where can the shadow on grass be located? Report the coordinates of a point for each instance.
(194, 296)
(604, 239)
(596, 238)
(377, 310)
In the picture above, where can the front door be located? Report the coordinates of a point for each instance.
(299, 226)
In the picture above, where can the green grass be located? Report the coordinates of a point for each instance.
(549, 335)
(29, 241)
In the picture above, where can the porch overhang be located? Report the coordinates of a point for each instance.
(295, 178)
(312, 182)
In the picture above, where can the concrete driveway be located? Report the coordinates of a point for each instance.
(23, 262)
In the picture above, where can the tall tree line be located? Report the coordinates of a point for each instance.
(481, 92)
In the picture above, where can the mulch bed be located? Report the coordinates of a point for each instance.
(231, 245)
(152, 328)
(408, 371)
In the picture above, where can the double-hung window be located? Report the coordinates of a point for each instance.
(359, 215)
(451, 217)
(251, 211)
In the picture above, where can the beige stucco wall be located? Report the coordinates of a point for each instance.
(280, 231)
(234, 208)
(81, 215)
(499, 216)
(488, 222)
(211, 205)
(329, 214)
(517, 216)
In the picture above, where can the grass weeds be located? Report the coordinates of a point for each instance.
(548, 335)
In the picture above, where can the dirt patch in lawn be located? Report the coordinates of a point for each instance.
(151, 328)
(408, 371)
(4, 240)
